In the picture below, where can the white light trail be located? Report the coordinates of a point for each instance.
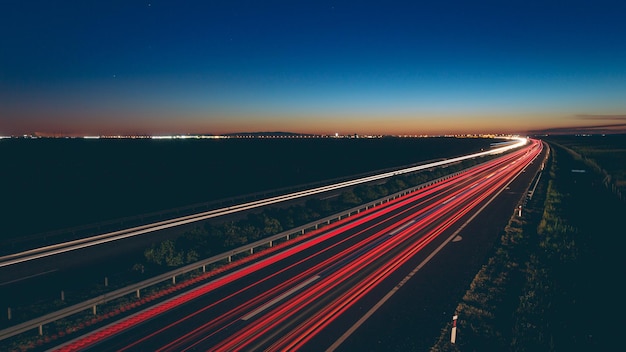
(42, 252)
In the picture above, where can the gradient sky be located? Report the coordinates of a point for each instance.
(399, 67)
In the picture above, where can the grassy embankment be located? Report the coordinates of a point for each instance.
(605, 154)
(551, 284)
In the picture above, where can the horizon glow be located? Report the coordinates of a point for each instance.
(318, 67)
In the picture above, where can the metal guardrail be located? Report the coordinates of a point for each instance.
(38, 323)
(146, 218)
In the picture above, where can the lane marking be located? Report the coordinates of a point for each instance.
(449, 199)
(382, 301)
(28, 277)
(28, 255)
(279, 298)
(401, 228)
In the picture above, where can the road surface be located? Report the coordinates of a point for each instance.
(314, 293)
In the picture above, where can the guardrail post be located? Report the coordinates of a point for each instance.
(9, 313)
(453, 333)
(230, 259)
(271, 243)
(303, 231)
(287, 237)
(251, 250)
(174, 279)
(94, 309)
(138, 294)
(41, 330)
(204, 268)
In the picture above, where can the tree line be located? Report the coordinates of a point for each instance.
(210, 239)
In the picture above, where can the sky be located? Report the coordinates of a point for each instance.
(324, 67)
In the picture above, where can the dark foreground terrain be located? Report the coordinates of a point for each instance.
(49, 184)
(553, 283)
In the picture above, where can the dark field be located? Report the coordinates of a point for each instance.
(608, 152)
(50, 184)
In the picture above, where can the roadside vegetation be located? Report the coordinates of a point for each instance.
(552, 283)
(606, 154)
(200, 242)
(210, 239)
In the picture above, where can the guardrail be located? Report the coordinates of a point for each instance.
(67, 234)
(418, 167)
(92, 304)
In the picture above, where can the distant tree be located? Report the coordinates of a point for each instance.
(166, 254)
(287, 218)
(196, 238)
(365, 192)
(271, 226)
(303, 215)
(215, 238)
(322, 206)
(349, 198)
(381, 190)
(396, 185)
(249, 231)
(191, 256)
(232, 235)
(139, 268)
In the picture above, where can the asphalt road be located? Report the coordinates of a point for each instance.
(413, 318)
(307, 296)
(68, 272)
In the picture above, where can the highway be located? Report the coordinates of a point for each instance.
(308, 295)
(65, 247)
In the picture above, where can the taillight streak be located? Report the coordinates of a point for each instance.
(481, 193)
(454, 190)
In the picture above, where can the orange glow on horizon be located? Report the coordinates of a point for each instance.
(406, 124)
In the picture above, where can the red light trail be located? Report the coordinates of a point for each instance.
(283, 301)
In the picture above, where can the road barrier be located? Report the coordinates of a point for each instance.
(136, 289)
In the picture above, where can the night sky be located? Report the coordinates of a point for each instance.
(413, 67)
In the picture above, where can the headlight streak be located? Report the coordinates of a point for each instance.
(337, 260)
(305, 331)
(42, 252)
(280, 315)
(300, 291)
(116, 328)
(434, 187)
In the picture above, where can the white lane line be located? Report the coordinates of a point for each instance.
(382, 301)
(28, 277)
(279, 298)
(449, 200)
(401, 228)
(121, 234)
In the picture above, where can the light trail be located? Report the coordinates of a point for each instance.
(316, 281)
(64, 247)
(296, 338)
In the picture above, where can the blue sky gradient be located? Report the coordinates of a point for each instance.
(86, 67)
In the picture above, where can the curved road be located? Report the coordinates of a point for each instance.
(313, 293)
